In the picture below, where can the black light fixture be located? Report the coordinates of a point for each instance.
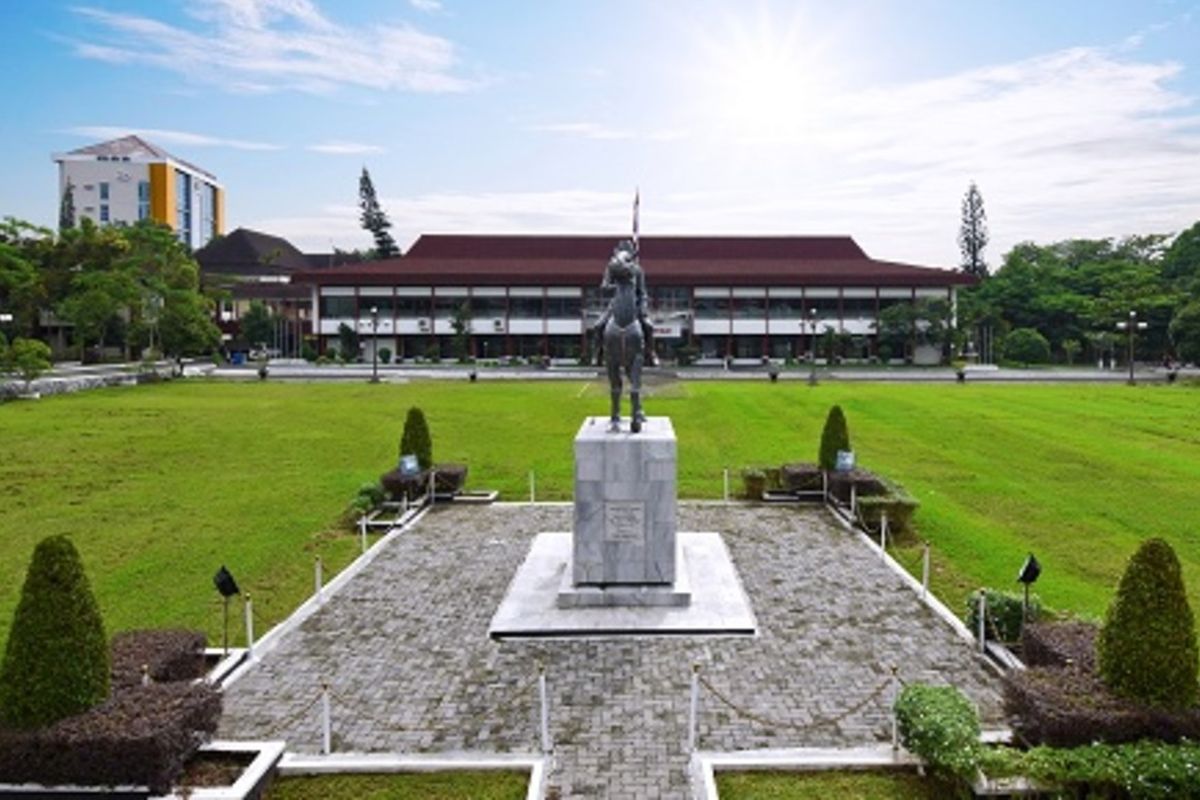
(228, 588)
(1028, 575)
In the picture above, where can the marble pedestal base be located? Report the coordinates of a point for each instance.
(676, 593)
(530, 608)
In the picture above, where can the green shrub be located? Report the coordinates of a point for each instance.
(29, 358)
(835, 437)
(939, 724)
(1004, 612)
(416, 440)
(385, 355)
(1026, 346)
(372, 493)
(1144, 770)
(1147, 648)
(308, 352)
(56, 663)
(896, 501)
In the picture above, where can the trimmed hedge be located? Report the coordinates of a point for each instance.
(1147, 647)
(416, 439)
(398, 485)
(834, 437)
(449, 478)
(1060, 644)
(141, 736)
(1142, 770)
(939, 724)
(801, 477)
(1069, 706)
(1004, 613)
(56, 660)
(170, 655)
(897, 502)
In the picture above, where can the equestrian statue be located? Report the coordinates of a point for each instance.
(622, 327)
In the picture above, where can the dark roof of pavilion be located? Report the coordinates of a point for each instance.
(513, 260)
(247, 252)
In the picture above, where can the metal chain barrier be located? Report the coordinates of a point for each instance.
(818, 723)
(289, 720)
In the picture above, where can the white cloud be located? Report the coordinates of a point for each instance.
(163, 136)
(269, 45)
(428, 6)
(596, 130)
(342, 148)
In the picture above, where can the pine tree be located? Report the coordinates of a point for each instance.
(834, 437)
(56, 663)
(374, 219)
(66, 208)
(973, 235)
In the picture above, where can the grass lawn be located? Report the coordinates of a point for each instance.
(159, 485)
(412, 786)
(824, 785)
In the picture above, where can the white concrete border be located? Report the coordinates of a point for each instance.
(269, 753)
(310, 606)
(704, 765)
(227, 664)
(383, 763)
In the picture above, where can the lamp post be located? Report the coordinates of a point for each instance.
(1130, 327)
(374, 344)
(812, 342)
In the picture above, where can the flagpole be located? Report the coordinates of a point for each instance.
(637, 199)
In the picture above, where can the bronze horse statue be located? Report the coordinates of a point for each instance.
(624, 342)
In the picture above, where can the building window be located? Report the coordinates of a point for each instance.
(143, 200)
(103, 211)
(411, 307)
(207, 214)
(826, 307)
(750, 307)
(488, 306)
(858, 307)
(712, 307)
(448, 306)
(103, 191)
(564, 307)
(338, 307)
(183, 206)
(525, 307)
(786, 308)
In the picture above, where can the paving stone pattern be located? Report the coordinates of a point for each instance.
(404, 647)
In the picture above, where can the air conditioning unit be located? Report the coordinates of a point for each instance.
(498, 324)
(423, 324)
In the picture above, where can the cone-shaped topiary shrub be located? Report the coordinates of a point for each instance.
(56, 662)
(1147, 648)
(415, 440)
(836, 436)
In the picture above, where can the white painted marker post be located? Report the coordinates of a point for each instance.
(547, 744)
(532, 488)
(249, 627)
(326, 722)
(693, 708)
(725, 493)
(925, 572)
(883, 534)
(982, 621)
(854, 499)
(362, 532)
(318, 589)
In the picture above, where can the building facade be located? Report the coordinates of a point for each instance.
(745, 298)
(129, 179)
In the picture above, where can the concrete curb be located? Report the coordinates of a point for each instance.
(383, 763)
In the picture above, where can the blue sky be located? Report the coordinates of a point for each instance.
(1076, 119)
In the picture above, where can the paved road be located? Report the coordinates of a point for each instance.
(405, 648)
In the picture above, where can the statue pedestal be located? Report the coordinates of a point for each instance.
(624, 549)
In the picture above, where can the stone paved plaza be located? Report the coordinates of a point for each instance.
(405, 649)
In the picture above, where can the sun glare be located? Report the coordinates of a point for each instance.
(762, 79)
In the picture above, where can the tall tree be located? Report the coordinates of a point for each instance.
(374, 219)
(973, 235)
(66, 208)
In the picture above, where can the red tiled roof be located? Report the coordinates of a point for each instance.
(667, 260)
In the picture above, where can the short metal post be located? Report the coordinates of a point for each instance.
(532, 488)
(725, 484)
(249, 626)
(693, 708)
(825, 485)
(883, 531)
(404, 503)
(326, 721)
(854, 499)
(982, 621)
(432, 478)
(145, 674)
(925, 572)
(362, 533)
(895, 722)
(319, 588)
(547, 745)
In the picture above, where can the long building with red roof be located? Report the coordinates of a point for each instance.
(745, 297)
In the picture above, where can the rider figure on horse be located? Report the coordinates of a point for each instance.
(622, 329)
(626, 253)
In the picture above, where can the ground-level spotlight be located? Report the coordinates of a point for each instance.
(1028, 575)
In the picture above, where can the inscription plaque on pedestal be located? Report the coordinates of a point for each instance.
(625, 522)
(624, 530)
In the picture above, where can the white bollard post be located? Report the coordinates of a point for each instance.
(404, 503)
(693, 708)
(854, 500)
(319, 589)
(362, 533)
(725, 484)
(825, 487)
(326, 721)
(432, 486)
(145, 674)
(883, 534)
(532, 488)
(547, 745)
(982, 621)
(249, 626)
(925, 572)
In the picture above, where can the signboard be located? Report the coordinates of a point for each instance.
(625, 522)
(409, 465)
(845, 460)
